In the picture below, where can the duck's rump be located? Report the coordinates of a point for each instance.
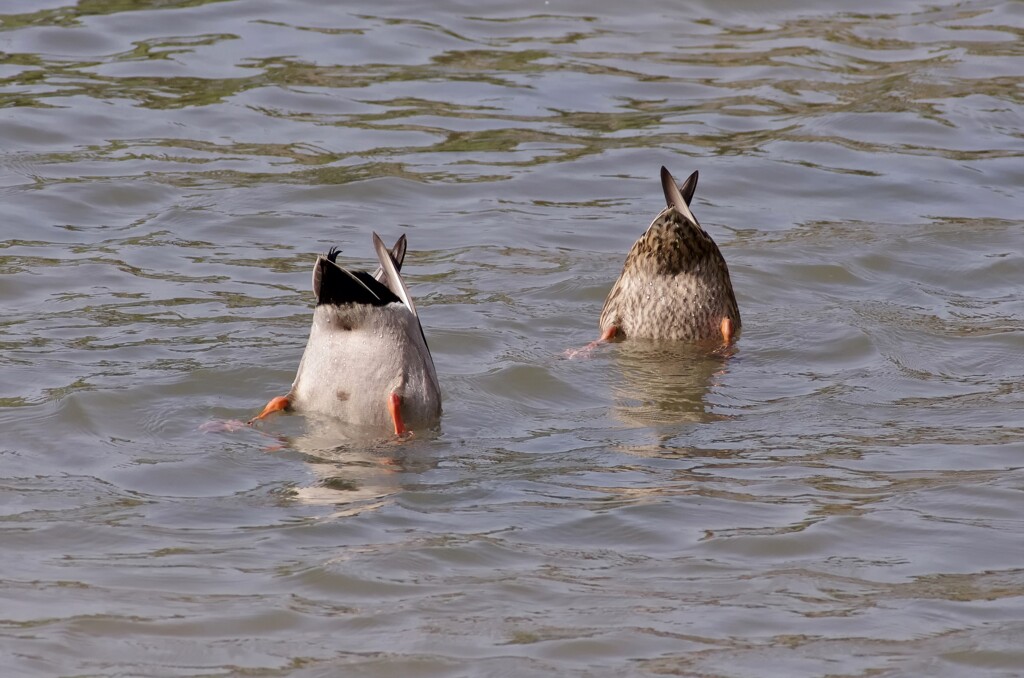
(357, 356)
(675, 285)
(673, 245)
(681, 307)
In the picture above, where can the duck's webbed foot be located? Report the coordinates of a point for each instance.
(278, 404)
(606, 336)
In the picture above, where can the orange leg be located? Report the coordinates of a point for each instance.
(726, 330)
(607, 335)
(278, 404)
(395, 408)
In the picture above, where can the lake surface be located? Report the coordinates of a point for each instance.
(841, 495)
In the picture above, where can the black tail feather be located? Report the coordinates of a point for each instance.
(335, 285)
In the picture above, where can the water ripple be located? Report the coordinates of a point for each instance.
(838, 493)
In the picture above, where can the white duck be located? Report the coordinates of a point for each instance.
(367, 360)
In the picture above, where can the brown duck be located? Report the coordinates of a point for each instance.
(675, 284)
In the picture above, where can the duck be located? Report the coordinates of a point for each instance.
(367, 361)
(675, 284)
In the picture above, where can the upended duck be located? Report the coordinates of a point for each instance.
(367, 360)
(675, 284)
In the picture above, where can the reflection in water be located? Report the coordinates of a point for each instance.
(355, 471)
(665, 382)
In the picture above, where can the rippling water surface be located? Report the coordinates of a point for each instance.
(841, 496)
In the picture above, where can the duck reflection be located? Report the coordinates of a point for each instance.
(666, 382)
(354, 471)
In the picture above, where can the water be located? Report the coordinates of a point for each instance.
(841, 496)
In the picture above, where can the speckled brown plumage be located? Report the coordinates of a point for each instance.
(675, 283)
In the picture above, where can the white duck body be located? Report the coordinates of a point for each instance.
(366, 361)
(357, 356)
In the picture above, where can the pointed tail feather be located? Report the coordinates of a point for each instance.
(392, 278)
(398, 254)
(688, 187)
(674, 197)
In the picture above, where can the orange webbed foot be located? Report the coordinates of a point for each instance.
(278, 404)
(606, 336)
